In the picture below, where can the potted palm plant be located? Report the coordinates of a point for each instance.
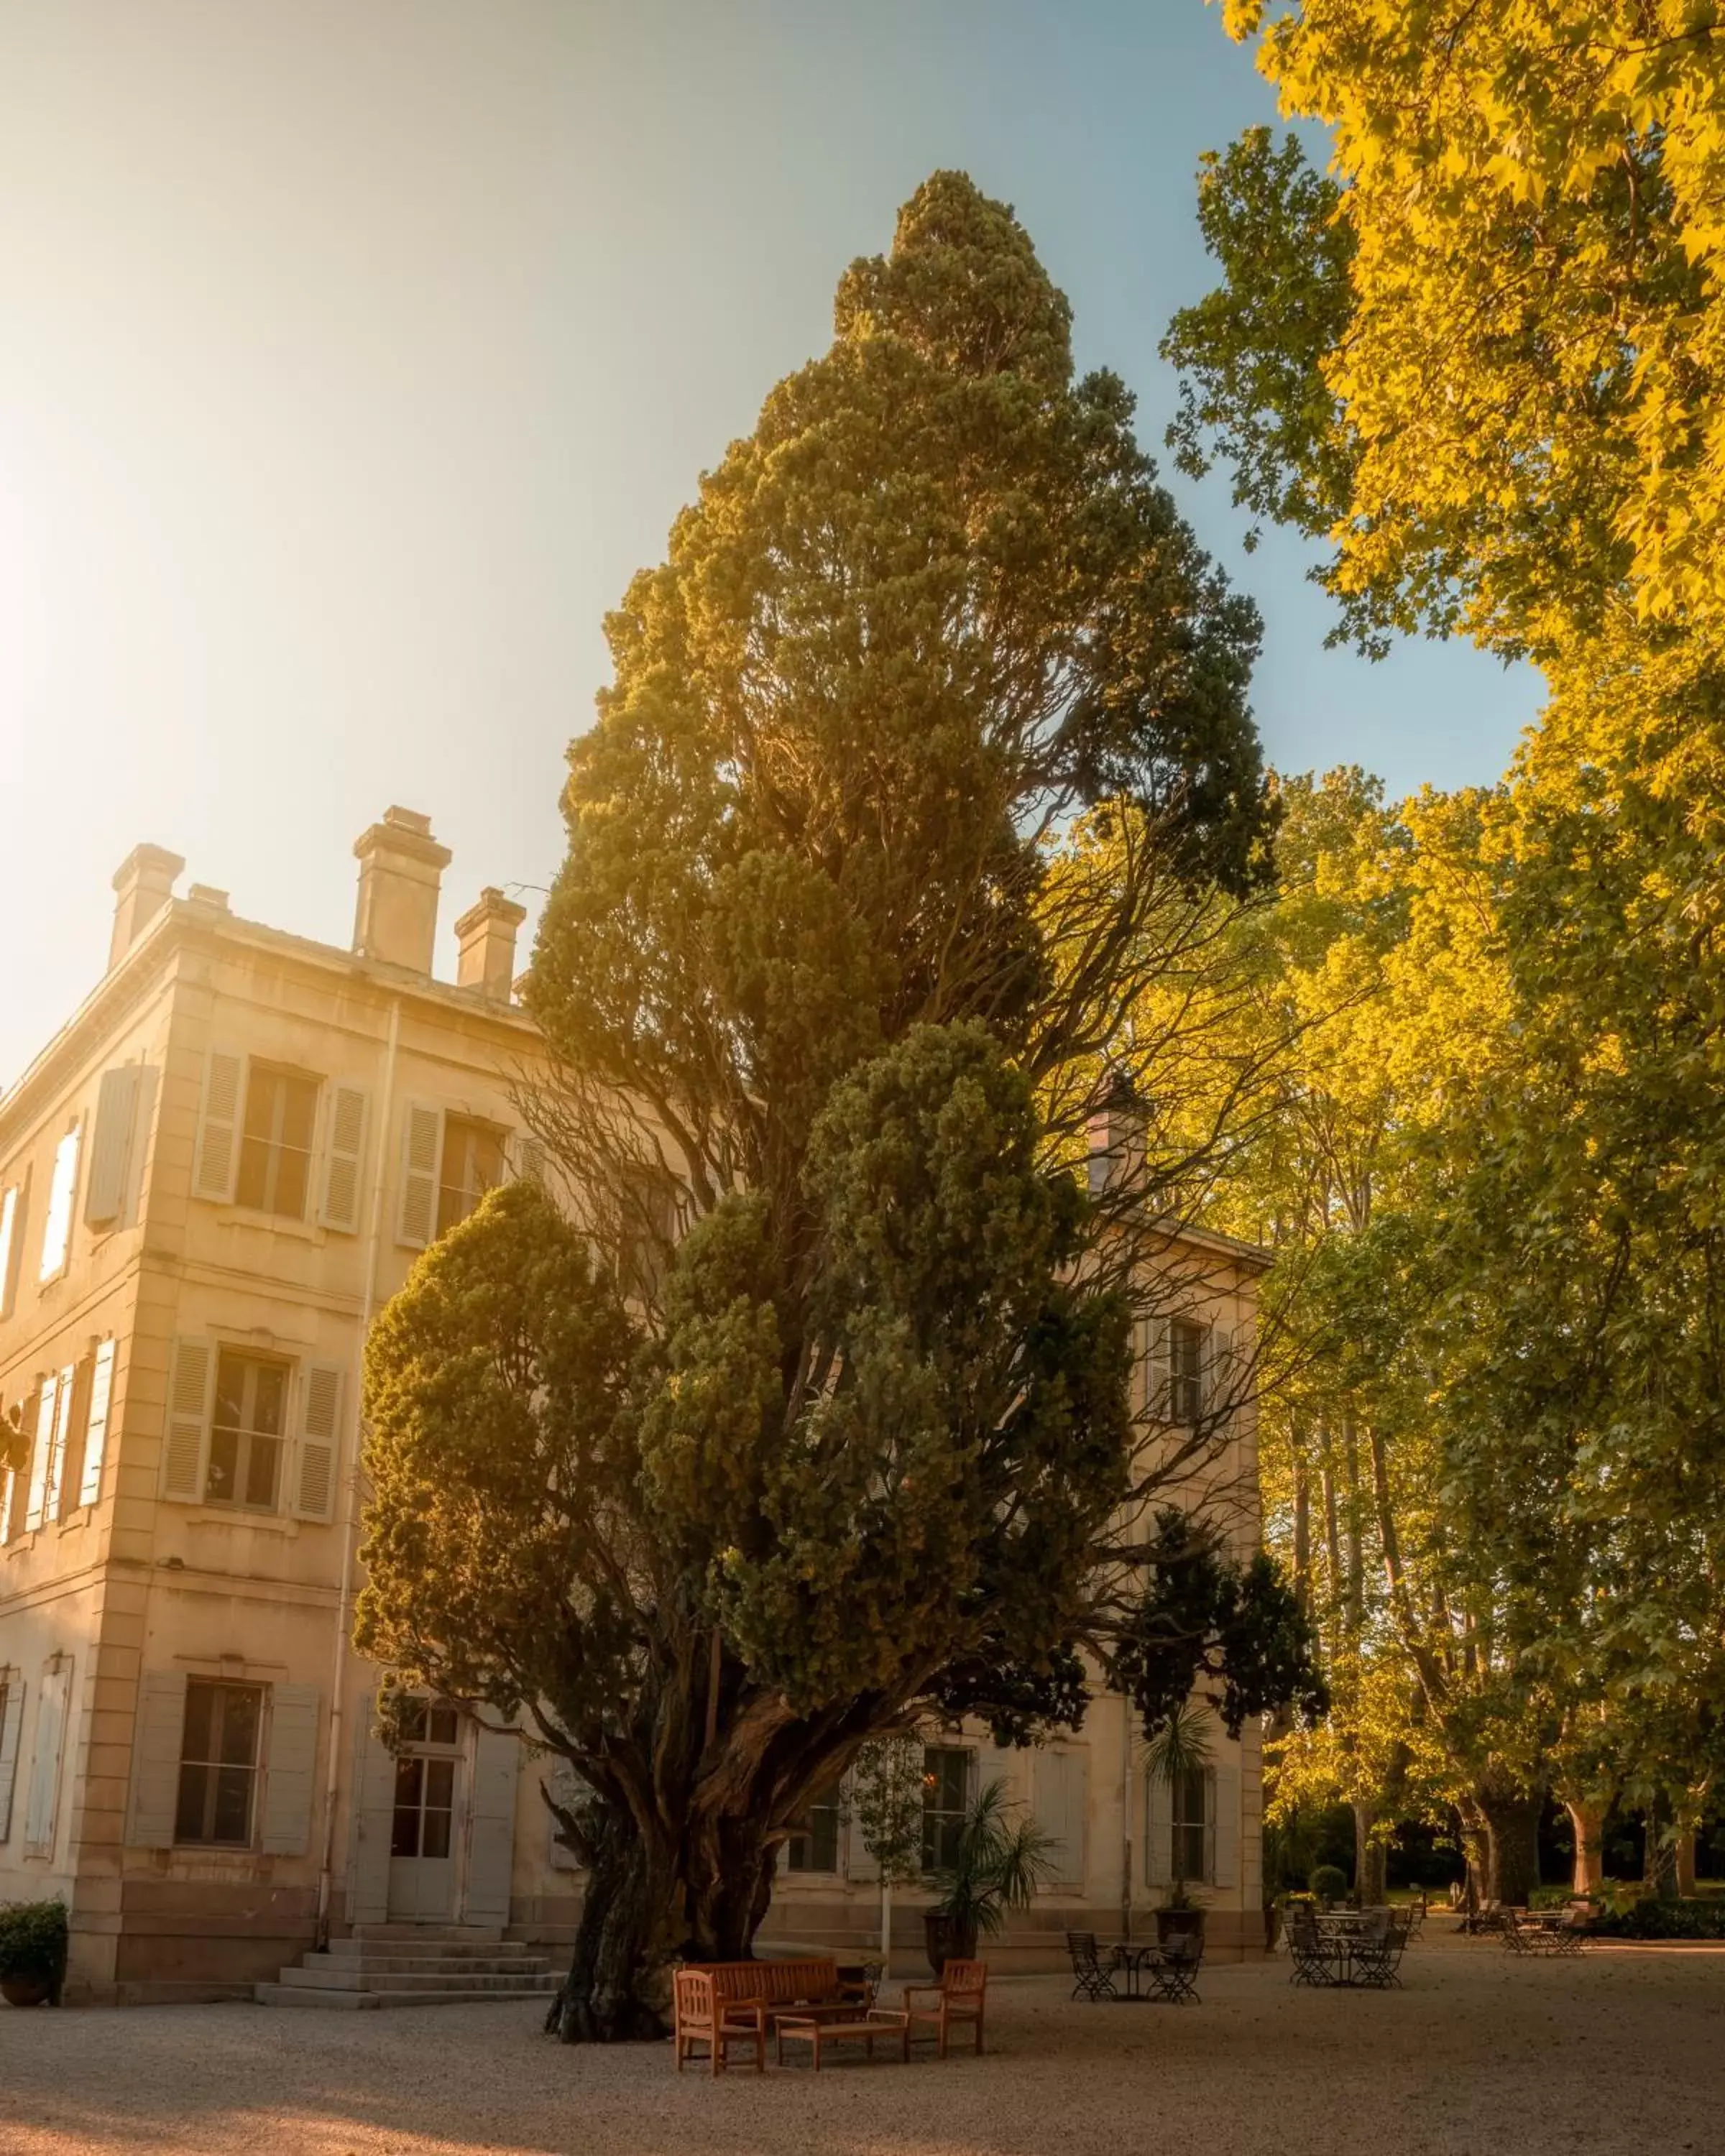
(997, 1864)
(1179, 1751)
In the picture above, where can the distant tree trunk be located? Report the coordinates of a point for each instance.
(1511, 1820)
(1589, 1821)
(1686, 1862)
(615, 1992)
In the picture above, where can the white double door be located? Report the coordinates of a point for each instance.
(434, 1822)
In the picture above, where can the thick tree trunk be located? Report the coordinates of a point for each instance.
(616, 1991)
(1686, 1862)
(1659, 1865)
(1371, 1858)
(1513, 1842)
(1589, 1821)
(1475, 1847)
(728, 1904)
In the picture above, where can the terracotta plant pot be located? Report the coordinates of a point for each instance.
(25, 1990)
(946, 1940)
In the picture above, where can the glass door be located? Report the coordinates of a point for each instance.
(421, 1845)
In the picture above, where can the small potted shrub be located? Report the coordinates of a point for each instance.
(996, 1866)
(1329, 1883)
(33, 1952)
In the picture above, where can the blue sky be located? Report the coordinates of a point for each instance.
(356, 356)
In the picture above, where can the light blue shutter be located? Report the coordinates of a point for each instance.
(12, 1715)
(156, 1759)
(217, 1168)
(111, 1148)
(96, 1434)
(491, 1826)
(343, 1180)
(422, 1151)
(54, 1480)
(42, 1453)
(186, 1440)
(1158, 1831)
(319, 1442)
(290, 1772)
(1224, 1832)
(42, 1807)
(1062, 1803)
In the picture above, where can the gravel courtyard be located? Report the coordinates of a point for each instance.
(1479, 2056)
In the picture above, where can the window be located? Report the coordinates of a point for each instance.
(1190, 1855)
(946, 1791)
(12, 1244)
(425, 1784)
(245, 1441)
(275, 1142)
(1186, 1344)
(814, 1845)
(472, 1165)
(57, 1231)
(219, 1764)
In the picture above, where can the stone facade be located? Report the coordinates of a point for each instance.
(210, 1181)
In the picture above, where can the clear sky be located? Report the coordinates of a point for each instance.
(357, 351)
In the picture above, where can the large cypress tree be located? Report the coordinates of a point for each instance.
(807, 1406)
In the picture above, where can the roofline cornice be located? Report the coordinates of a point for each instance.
(185, 924)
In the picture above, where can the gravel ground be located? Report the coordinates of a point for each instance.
(1479, 2056)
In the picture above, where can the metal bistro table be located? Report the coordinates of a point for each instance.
(1134, 1959)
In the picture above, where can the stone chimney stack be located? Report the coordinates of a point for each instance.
(401, 868)
(485, 935)
(1116, 1130)
(143, 883)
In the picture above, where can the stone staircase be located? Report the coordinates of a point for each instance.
(413, 1965)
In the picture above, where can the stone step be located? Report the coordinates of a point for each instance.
(370, 1952)
(350, 1979)
(287, 1994)
(431, 1934)
(430, 1963)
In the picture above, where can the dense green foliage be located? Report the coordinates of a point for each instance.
(33, 1943)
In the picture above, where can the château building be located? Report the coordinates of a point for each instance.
(211, 1180)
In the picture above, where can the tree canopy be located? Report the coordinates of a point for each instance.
(804, 1406)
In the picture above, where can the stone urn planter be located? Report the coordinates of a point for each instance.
(1179, 1924)
(945, 1939)
(22, 1990)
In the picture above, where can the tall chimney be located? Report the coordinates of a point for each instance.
(1117, 1133)
(485, 935)
(144, 883)
(401, 868)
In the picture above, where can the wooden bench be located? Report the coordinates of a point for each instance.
(721, 2002)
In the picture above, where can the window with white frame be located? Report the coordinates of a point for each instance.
(62, 1191)
(275, 1144)
(946, 1793)
(813, 1847)
(248, 1431)
(1187, 1343)
(472, 1164)
(1194, 1809)
(220, 1751)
